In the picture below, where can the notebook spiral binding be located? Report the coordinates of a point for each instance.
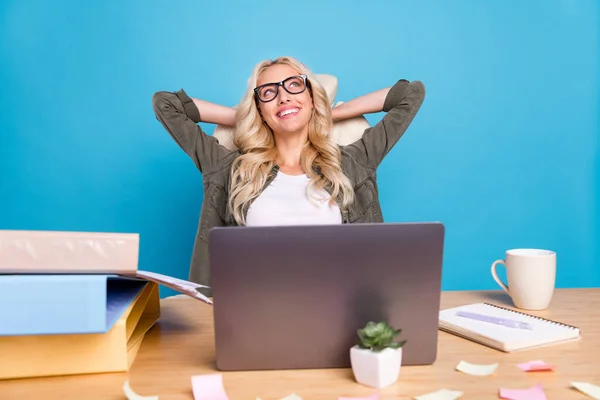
(533, 316)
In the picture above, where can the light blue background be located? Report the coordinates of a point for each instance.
(504, 150)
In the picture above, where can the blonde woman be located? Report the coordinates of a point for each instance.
(286, 169)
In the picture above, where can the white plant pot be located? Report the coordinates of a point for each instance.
(376, 369)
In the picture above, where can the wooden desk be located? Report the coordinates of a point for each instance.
(181, 345)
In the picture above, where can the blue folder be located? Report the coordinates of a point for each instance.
(41, 304)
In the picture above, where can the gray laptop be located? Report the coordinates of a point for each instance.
(293, 297)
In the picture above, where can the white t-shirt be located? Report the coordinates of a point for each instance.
(285, 202)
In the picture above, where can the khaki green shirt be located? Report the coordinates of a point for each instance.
(180, 117)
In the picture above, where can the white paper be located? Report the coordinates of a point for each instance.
(477, 370)
(185, 287)
(292, 396)
(443, 394)
(587, 388)
(131, 395)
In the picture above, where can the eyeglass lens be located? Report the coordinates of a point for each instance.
(292, 85)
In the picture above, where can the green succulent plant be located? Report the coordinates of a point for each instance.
(379, 336)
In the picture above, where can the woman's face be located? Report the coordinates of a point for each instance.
(285, 113)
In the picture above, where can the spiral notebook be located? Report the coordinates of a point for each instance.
(541, 331)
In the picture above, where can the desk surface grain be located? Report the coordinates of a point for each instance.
(181, 344)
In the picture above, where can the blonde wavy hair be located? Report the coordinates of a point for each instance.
(256, 143)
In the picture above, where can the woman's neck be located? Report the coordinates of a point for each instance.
(289, 153)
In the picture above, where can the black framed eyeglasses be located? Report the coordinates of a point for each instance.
(293, 85)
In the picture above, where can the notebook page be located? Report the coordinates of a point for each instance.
(542, 332)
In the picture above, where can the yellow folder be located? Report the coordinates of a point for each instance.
(113, 351)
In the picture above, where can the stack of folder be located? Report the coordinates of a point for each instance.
(75, 302)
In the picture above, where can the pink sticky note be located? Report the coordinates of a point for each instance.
(208, 387)
(537, 365)
(374, 396)
(533, 393)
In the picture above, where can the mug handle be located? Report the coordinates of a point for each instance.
(496, 277)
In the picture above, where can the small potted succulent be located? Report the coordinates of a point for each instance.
(377, 358)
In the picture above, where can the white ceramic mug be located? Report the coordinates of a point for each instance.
(531, 275)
